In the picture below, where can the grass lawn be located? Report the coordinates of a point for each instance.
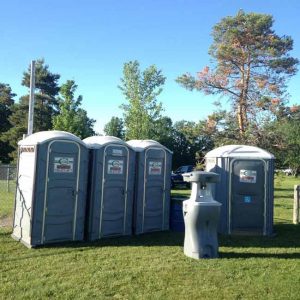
(6, 198)
(153, 266)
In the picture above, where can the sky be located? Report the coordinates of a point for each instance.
(90, 40)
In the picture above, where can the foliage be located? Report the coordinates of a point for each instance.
(6, 103)
(190, 142)
(141, 90)
(46, 105)
(71, 117)
(115, 127)
(289, 131)
(163, 131)
(222, 128)
(252, 65)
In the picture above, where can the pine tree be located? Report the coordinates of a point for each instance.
(6, 103)
(251, 66)
(46, 105)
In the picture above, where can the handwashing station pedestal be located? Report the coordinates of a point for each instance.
(201, 214)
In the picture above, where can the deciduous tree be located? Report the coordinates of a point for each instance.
(71, 117)
(115, 127)
(141, 89)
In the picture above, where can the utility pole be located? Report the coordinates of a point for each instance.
(31, 98)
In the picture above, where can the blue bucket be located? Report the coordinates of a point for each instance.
(176, 215)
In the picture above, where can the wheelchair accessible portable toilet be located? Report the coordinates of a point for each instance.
(111, 187)
(246, 188)
(51, 189)
(152, 186)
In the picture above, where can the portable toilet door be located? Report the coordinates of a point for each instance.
(61, 191)
(51, 188)
(247, 196)
(152, 201)
(111, 195)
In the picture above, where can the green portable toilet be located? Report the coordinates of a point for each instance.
(51, 189)
(246, 188)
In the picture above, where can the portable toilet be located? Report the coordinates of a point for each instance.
(111, 187)
(246, 188)
(51, 189)
(152, 186)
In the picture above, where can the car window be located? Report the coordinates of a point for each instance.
(184, 169)
(178, 170)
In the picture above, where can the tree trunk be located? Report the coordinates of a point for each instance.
(241, 110)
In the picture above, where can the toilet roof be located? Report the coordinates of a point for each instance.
(141, 145)
(99, 141)
(45, 136)
(239, 151)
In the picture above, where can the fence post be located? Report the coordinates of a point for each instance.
(296, 204)
(7, 178)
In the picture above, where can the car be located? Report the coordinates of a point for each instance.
(288, 171)
(176, 177)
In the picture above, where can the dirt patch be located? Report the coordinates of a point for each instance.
(6, 221)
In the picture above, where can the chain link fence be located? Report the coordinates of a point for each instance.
(7, 193)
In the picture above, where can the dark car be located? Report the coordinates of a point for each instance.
(176, 177)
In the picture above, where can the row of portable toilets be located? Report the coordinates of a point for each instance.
(71, 190)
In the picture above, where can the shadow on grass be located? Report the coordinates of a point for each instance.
(155, 239)
(294, 255)
(284, 197)
(278, 189)
(285, 237)
(163, 239)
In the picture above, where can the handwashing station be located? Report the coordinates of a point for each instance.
(201, 214)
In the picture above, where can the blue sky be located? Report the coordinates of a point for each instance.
(90, 40)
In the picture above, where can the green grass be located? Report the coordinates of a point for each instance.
(6, 198)
(153, 266)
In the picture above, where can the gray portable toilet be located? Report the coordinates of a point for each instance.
(111, 187)
(51, 189)
(152, 186)
(246, 188)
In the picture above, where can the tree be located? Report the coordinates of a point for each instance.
(222, 128)
(164, 132)
(46, 105)
(72, 118)
(115, 127)
(290, 132)
(47, 88)
(282, 139)
(141, 90)
(251, 66)
(6, 103)
(190, 141)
